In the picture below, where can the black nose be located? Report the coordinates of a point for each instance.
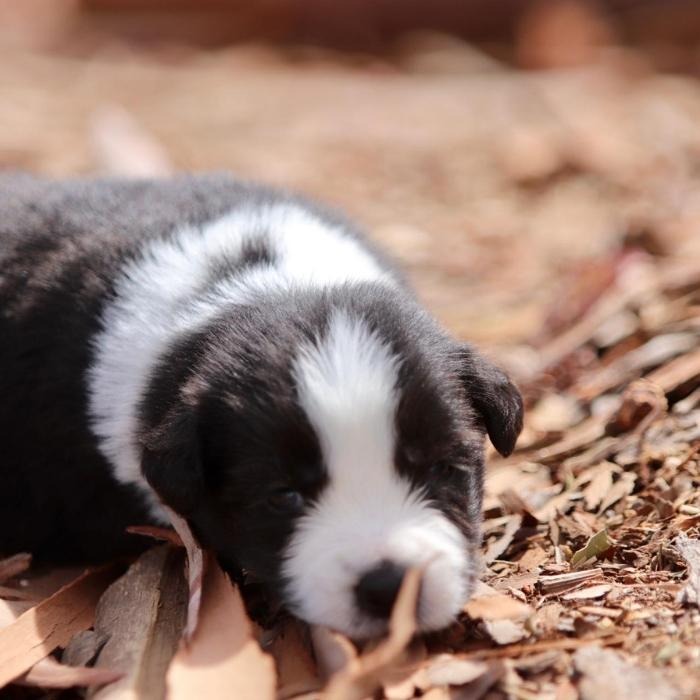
(377, 589)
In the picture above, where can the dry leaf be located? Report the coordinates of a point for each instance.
(589, 593)
(505, 631)
(51, 623)
(501, 544)
(599, 486)
(222, 660)
(497, 606)
(597, 545)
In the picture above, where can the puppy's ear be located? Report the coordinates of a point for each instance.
(494, 396)
(171, 460)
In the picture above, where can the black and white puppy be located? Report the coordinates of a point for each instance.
(246, 358)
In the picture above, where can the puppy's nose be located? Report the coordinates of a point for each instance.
(377, 589)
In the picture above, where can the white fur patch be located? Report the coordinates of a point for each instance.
(165, 293)
(367, 512)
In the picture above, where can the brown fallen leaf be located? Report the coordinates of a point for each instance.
(363, 675)
(488, 604)
(505, 631)
(606, 674)
(51, 623)
(500, 545)
(49, 673)
(14, 565)
(621, 488)
(599, 486)
(222, 659)
(589, 593)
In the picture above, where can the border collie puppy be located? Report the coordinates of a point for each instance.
(246, 358)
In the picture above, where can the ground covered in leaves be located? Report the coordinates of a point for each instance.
(554, 218)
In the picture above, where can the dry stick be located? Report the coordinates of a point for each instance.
(363, 675)
(51, 623)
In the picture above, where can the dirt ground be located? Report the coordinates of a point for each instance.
(553, 218)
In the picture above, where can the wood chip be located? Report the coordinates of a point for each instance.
(558, 583)
(142, 615)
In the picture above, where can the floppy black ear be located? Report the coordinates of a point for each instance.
(171, 461)
(494, 396)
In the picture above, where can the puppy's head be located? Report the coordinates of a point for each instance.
(328, 443)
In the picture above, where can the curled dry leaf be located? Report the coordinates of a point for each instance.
(364, 675)
(51, 623)
(222, 660)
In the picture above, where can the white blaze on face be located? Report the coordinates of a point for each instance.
(367, 513)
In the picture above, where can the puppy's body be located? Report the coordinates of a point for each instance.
(248, 360)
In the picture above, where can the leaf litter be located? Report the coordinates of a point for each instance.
(582, 269)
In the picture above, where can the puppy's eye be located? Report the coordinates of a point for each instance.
(286, 501)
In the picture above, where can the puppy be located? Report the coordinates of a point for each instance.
(248, 359)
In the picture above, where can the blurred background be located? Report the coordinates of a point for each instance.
(514, 155)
